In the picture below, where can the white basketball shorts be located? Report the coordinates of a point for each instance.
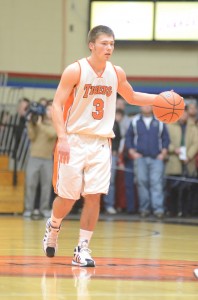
(88, 170)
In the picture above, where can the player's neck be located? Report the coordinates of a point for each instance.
(97, 66)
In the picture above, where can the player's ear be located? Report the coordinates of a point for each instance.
(91, 46)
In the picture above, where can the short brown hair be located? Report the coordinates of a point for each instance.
(98, 30)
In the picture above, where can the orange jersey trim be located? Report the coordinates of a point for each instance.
(67, 106)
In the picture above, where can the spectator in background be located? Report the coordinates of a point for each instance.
(130, 187)
(125, 121)
(36, 212)
(109, 199)
(124, 197)
(20, 138)
(22, 107)
(181, 162)
(44, 101)
(39, 167)
(192, 110)
(20, 123)
(146, 143)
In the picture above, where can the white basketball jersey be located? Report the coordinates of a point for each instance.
(93, 105)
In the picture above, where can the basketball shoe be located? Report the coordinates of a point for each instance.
(82, 257)
(196, 272)
(50, 245)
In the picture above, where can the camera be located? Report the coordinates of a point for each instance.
(35, 110)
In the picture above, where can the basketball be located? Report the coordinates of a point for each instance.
(168, 107)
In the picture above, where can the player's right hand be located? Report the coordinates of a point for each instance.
(63, 150)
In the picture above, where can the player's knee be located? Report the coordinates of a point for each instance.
(92, 201)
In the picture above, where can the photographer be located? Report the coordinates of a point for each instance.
(42, 137)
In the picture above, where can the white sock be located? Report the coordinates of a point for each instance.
(84, 235)
(55, 222)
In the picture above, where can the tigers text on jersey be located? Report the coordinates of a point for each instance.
(92, 110)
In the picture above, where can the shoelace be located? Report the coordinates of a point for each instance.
(52, 238)
(86, 250)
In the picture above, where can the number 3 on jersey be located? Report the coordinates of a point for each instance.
(99, 109)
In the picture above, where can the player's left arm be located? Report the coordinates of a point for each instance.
(127, 92)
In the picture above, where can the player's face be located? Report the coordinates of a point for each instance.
(103, 47)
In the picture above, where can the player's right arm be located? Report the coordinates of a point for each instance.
(68, 81)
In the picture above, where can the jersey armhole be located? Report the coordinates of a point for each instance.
(77, 84)
(116, 75)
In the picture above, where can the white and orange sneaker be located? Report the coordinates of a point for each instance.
(50, 244)
(82, 257)
(196, 273)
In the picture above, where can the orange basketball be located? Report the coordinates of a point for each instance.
(168, 107)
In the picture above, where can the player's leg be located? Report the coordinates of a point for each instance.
(96, 182)
(90, 212)
(67, 182)
(89, 217)
(61, 208)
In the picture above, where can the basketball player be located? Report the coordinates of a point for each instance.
(83, 115)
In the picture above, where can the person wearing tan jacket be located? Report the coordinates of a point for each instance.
(42, 137)
(181, 161)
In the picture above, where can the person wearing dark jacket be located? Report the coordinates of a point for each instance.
(147, 141)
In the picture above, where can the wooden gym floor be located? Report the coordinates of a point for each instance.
(135, 259)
